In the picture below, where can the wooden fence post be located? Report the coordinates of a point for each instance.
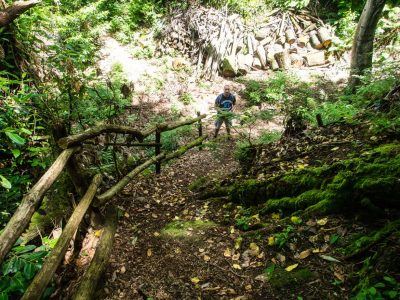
(200, 127)
(158, 150)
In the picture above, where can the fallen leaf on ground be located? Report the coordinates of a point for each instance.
(236, 256)
(238, 242)
(311, 223)
(195, 280)
(275, 216)
(305, 254)
(227, 252)
(236, 266)
(291, 268)
(322, 222)
(254, 248)
(282, 258)
(261, 277)
(295, 220)
(206, 258)
(313, 238)
(149, 252)
(329, 258)
(339, 276)
(271, 240)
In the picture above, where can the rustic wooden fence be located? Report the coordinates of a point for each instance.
(31, 201)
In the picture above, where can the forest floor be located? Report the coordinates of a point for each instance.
(170, 244)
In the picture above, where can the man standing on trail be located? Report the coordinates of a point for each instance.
(224, 106)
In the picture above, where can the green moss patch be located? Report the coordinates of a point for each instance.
(370, 181)
(280, 278)
(184, 229)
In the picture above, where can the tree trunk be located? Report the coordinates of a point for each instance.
(42, 279)
(363, 43)
(21, 218)
(10, 13)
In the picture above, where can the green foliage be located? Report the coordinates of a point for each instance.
(143, 12)
(332, 112)
(186, 98)
(282, 238)
(246, 8)
(291, 95)
(24, 147)
(22, 264)
(387, 288)
(170, 140)
(244, 150)
(285, 4)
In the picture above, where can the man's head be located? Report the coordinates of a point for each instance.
(227, 90)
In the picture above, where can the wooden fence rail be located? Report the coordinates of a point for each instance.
(71, 140)
(22, 216)
(43, 278)
(31, 201)
(89, 282)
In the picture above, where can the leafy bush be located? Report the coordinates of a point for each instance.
(24, 147)
(280, 239)
(388, 288)
(186, 98)
(332, 112)
(285, 4)
(170, 140)
(244, 150)
(23, 262)
(143, 12)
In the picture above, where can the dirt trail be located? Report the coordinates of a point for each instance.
(169, 244)
(151, 262)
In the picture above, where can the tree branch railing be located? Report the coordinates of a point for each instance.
(32, 200)
(43, 278)
(21, 218)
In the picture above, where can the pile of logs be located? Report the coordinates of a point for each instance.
(206, 35)
(219, 42)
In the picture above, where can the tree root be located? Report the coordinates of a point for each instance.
(369, 182)
(364, 243)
